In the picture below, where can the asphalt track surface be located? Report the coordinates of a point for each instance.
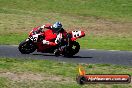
(84, 56)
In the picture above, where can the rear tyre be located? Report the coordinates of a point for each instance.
(75, 47)
(71, 50)
(67, 52)
(26, 47)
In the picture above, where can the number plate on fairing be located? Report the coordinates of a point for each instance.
(76, 33)
(33, 38)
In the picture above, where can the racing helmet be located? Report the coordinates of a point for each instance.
(57, 26)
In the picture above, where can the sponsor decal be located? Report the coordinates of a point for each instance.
(84, 78)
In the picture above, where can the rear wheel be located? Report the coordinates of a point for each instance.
(71, 50)
(75, 47)
(26, 47)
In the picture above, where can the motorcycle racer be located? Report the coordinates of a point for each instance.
(61, 33)
(50, 38)
(52, 33)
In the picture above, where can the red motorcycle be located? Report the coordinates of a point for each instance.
(66, 46)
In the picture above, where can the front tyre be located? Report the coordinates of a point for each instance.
(26, 47)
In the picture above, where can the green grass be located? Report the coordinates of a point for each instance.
(117, 9)
(108, 20)
(88, 42)
(115, 43)
(12, 39)
(66, 72)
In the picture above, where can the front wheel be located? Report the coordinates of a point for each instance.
(26, 47)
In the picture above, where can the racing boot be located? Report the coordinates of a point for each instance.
(57, 52)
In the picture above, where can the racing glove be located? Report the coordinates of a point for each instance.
(45, 42)
(49, 43)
